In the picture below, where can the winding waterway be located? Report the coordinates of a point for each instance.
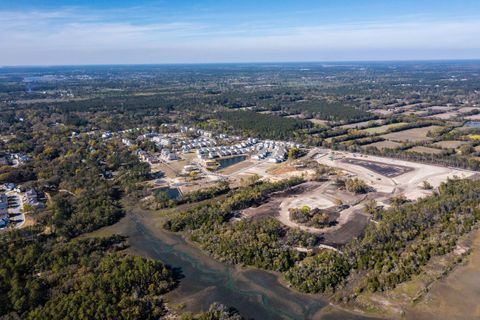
(257, 294)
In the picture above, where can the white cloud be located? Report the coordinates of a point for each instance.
(69, 36)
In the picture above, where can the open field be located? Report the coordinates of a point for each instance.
(384, 145)
(411, 135)
(445, 115)
(441, 108)
(330, 139)
(467, 109)
(169, 171)
(422, 149)
(318, 121)
(474, 117)
(450, 144)
(383, 129)
(360, 125)
(381, 112)
(236, 167)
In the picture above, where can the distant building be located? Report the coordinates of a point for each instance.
(9, 186)
(127, 142)
(167, 155)
(107, 135)
(3, 204)
(31, 197)
(4, 218)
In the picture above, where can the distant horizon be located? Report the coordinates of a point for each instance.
(103, 32)
(242, 63)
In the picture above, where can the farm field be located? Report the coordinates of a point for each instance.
(445, 115)
(467, 109)
(359, 125)
(411, 135)
(474, 117)
(384, 145)
(449, 144)
(422, 149)
(318, 121)
(441, 108)
(382, 112)
(383, 129)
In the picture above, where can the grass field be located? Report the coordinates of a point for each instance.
(450, 144)
(360, 125)
(383, 129)
(410, 135)
(445, 115)
(384, 145)
(474, 137)
(427, 150)
(474, 117)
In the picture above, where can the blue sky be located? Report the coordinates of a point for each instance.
(52, 32)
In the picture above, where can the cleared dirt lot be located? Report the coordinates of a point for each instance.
(236, 167)
(412, 135)
(350, 222)
(386, 176)
(410, 183)
(387, 170)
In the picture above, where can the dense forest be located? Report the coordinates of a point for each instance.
(91, 278)
(324, 110)
(263, 126)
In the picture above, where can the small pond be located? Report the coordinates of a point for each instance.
(227, 162)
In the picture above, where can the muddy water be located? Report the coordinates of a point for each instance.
(255, 293)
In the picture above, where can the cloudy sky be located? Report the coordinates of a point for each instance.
(53, 32)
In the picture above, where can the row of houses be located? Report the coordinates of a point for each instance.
(200, 132)
(224, 151)
(279, 155)
(13, 159)
(165, 155)
(146, 157)
(4, 218)
(31, 197)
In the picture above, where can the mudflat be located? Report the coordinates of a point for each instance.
(455, 296)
